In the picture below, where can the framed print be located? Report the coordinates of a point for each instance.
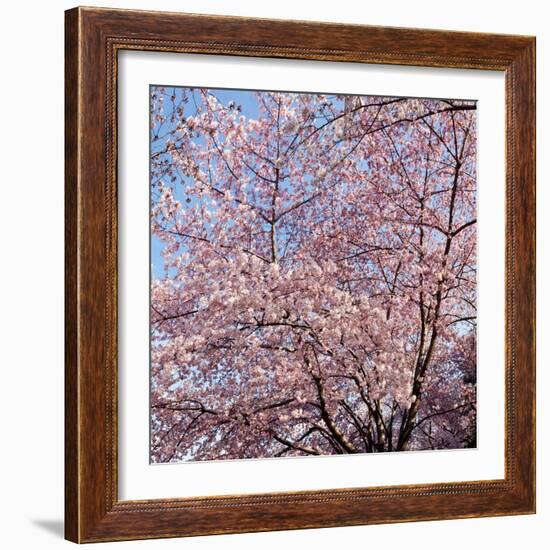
(300, 275)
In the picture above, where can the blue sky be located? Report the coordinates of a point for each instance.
(249, 108)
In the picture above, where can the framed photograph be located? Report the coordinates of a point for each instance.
(300, 275)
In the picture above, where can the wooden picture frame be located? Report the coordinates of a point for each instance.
(93, 511)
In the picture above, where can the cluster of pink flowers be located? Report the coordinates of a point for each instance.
(319, 287)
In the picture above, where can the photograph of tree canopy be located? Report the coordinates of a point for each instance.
(313, 274)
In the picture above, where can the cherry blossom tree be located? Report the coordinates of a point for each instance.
(317, 293)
